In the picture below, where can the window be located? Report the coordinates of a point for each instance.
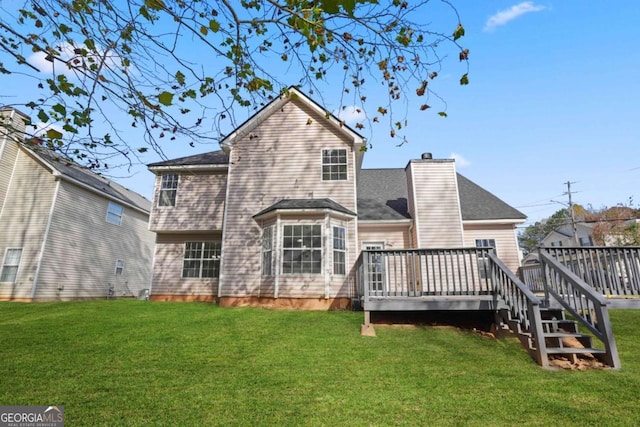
(201, 259)
(586, 241)
(483, 261)
(267, 251)
(339, 250)
(114, 213)
(302, 249)
(334, 165)
(168, 189)
(119, 267)
(10, 265)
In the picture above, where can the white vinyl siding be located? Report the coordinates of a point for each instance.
(168, 189)
(10, 265)
(114, 213)
(503, 238)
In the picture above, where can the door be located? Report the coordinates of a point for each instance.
(376, 267)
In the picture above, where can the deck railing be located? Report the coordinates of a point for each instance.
(418, 272)
(611, 271)
(586, 304)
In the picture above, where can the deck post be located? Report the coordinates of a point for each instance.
(367, 328)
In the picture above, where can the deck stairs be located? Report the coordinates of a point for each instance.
(562, 336)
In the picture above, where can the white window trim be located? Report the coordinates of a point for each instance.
(4, 263)
(110, 212)
(322, 165)
(175, 200)
(201, 259)
(321, 249)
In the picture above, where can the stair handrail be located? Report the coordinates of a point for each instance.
(523, 305)
(583, 302)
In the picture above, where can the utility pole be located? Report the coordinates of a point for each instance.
(573, 217)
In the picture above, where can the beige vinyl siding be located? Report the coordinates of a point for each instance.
(24, 219)
(271, 164)
(168, 261)
(7, 162)
(82, 248)
(393, 236)
(505, 237)
(199, 203)
(435, 203)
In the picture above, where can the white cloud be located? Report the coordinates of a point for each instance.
(42, 128)
(505, 16)
(67, 53)
(351, 114)
(460, 161)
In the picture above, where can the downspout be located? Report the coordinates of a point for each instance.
(327, 261)
(45, 237)
(224, 227)
(276, 251)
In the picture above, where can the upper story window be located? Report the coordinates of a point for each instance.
(586, 241)
(334, 165)
(10, 265)
(168, 189)
(114, 213)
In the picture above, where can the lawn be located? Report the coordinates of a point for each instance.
(141, 363)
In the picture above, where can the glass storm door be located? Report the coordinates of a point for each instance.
(376, 267)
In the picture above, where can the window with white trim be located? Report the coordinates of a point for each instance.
(267, 251)
(339, 250)
(10, 265)
(114, 213)
(302, 249)
(483, 261)
(586, 241)
(334, 165)
(201, 260)
(168, 189)
(119, 267)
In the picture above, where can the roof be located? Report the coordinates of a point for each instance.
(296, 204)
(69, 169)
(211, 158)
(476, 203)
(382, 195)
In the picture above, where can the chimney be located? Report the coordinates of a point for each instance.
(427, 156)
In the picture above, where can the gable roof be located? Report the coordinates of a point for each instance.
(289, 95)
(73, 172)
(312, 204)
(382, 195)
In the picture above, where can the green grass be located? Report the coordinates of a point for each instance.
(140, 363)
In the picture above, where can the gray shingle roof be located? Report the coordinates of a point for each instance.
(382, 195)
(72, 170)
(306, 204)
(211, 158)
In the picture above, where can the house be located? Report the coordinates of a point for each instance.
(66, 232)
(280, 215)
(563, 235)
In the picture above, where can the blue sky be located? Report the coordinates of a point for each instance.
(552, 98)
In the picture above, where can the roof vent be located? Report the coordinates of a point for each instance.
(427, 156)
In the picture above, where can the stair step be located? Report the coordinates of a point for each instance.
(564, 335)
(572, 350)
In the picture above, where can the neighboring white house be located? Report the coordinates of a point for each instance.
(66, 232)
(563, 236)
(281, 214)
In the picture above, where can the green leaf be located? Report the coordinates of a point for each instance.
(442, 114)
(43, 116)
(204, 30)
(59, 108)
(464, 80)
(154, 4)
(214, 25)
(165, 98)
(459, 32)
(180, 78)
(53, 134)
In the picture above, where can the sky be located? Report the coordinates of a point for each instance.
(553, 98)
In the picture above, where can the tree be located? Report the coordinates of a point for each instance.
(617, 226)
(533, 235)
(181, 68)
